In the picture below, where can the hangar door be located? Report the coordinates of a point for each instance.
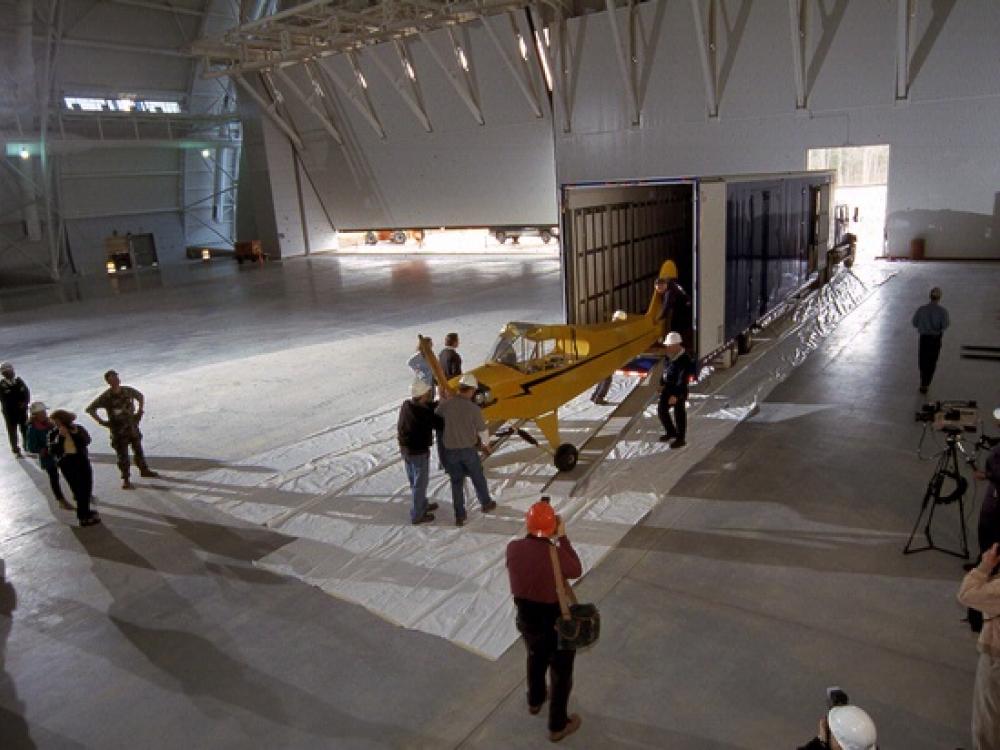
(614, 240)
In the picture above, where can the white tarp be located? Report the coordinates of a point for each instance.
(343, 495)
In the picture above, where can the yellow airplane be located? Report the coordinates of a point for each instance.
(536, 368)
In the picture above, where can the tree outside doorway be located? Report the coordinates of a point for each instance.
(862, 186)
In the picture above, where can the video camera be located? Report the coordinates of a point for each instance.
(836, 697)
(952, 417)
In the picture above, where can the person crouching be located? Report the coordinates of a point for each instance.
(67, 443)
(415, 431)
(533, 586)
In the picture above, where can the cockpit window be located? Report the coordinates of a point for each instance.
(527, 348)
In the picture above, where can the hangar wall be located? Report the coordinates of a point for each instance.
(459, 174)
(109, 172)
(944, 165)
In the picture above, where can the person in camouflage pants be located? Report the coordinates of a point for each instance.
(119, 403)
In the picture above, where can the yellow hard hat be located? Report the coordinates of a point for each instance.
(668, 270)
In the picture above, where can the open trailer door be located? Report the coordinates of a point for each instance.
(615, 236)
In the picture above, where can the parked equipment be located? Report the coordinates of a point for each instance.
(250, 250)
(395, 236)
(129, 251)
(514, 233)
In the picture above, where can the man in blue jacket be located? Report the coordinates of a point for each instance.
(930, 320)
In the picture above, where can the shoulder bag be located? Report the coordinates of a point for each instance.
(579, 625)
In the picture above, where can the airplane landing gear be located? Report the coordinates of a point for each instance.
(566, 457)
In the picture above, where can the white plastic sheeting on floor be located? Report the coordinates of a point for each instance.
(342, 495)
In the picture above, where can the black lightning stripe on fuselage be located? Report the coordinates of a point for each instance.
(526, 387)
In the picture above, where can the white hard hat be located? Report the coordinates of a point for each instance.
(619, 315)
(996, 414)
(468, 380)
(37, 406)
(673, 338)
(419, 387)
(6, 366)
(852, 728)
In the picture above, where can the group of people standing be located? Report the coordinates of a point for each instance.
(457, 423)
(62, 445)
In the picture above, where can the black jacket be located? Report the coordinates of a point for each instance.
(451, 362)
(57, 443)
(676, 305)
(415, 428)
(14, 396)
(676, 373)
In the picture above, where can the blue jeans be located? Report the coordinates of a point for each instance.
(461, 463)
(418, 472)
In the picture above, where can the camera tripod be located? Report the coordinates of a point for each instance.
(948, 468)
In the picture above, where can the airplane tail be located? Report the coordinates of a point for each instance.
(667, 271)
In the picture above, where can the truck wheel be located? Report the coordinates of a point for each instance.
(399, 238)
(501, 236)
(515, 240)
(566, 457)
(546, 236)
(371, 238)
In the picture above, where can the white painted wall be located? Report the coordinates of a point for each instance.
(460, 174)
(944, 168)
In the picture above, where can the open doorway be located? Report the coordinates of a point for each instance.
(861, 191)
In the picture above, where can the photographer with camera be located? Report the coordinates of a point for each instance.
(845, 727)
(981, 590)
(532, 570)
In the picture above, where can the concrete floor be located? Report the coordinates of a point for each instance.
(772, 571)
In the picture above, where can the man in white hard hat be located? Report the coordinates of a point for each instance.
(845, 728)
(465, 434)
(980, 590)
(415, 432)
(674, 392)
(601, 389)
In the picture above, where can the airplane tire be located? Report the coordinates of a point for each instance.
(566, 457)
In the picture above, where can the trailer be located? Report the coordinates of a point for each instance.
(743, 244)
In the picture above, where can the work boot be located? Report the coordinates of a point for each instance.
(491, 505)
(127, 485)
(571, 726)
(460, 522)
(147, 472)
(427, 518)
(678, 443)
(432, 506)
